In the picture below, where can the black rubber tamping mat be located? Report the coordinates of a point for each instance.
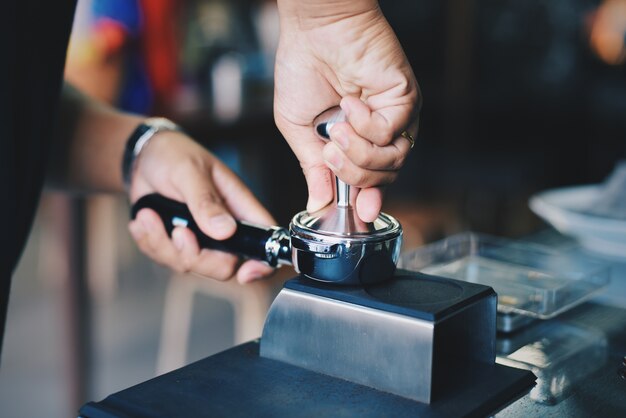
(239, 383)
(409, 293)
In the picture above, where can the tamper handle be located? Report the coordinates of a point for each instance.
(343, 193)
(269, 244)
(323, 129)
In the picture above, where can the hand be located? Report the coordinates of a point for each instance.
(177, 167)
(353, 60)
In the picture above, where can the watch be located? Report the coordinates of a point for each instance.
(139, 139)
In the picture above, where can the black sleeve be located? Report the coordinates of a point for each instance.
(33, 43)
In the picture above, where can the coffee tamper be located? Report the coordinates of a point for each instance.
(334, 244)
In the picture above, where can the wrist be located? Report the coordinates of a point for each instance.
(307, 14)
(139, 140)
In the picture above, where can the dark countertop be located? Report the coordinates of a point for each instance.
(214, 385)
(239, 383)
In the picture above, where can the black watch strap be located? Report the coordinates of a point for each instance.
(139, 139)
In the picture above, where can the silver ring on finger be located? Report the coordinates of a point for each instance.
(409, 137)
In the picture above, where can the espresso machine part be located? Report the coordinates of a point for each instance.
(332, 245)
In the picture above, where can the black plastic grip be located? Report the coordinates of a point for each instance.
(248, 241)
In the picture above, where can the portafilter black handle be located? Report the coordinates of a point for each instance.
(266, 243)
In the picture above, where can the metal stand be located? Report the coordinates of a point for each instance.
(413, 336)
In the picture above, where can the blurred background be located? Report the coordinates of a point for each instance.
(518, 97)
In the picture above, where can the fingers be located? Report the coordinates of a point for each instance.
(252, 270)
(237, 198)
(151, 238)
(366, 154)
(380, 126)
(243, 205)
(319, 182)
(372, 160)
(182, 253)
(214, 195)
(362, 162)
(351, 173)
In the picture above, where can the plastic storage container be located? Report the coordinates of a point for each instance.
(530, 279)
(560, 354)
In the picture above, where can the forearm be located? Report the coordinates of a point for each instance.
(87, 150)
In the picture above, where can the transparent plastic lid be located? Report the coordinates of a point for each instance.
(530, 279)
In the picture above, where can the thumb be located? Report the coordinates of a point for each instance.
(369, 202)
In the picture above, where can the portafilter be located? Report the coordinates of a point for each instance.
(332, 245)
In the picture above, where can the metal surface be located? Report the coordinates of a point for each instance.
(343, 193)
(347, 260)
(278, 248)
(310, 226)
(388, 344)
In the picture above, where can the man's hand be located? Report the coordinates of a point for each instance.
(344, 53)
(91, 141)
(179, 168)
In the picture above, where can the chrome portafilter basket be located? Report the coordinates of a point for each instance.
(341, 255)
(332, 245)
